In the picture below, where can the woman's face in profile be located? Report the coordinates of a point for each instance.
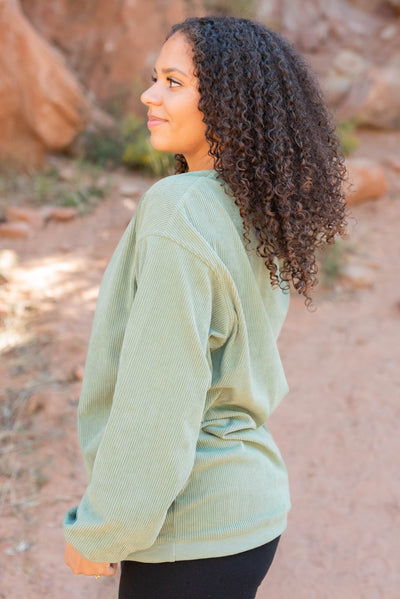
(175, 122)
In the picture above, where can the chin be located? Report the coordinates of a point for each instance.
(162, 145)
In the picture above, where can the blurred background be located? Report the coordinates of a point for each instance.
(74, 161)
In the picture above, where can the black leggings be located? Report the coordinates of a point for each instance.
(230, 577)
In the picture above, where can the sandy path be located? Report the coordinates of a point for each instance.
(337, 428)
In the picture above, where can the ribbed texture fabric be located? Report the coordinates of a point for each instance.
(182, 373)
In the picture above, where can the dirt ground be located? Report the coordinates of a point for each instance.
(337, 428)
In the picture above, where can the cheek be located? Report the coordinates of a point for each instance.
(192, 121)
(186, 110)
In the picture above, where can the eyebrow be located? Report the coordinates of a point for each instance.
(171, 70)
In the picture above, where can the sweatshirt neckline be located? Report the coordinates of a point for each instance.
(203, 172)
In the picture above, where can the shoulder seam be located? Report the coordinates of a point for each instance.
(199, 257)
(168, 236)
(182, 245)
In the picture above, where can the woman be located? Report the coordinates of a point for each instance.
(186, 486)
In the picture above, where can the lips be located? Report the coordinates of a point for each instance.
(154, 120)
(154, 117)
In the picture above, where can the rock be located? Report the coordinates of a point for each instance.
(374, 98)
(389, 32)
(367, 180)
(393, 162)
(101, 38)
(111, 45)
(101, 120)
(15, 230)
(270, 13)
(394, 4)
(349, 20)
(67, 173)
(311, 38)
(335, 88)
(35, 404)
(61, 213)
(297, 14)
(42, 105)
(349, 64)
(305, 24)
(78, 373)
(358, 276)
(33, 217)
(346, 67)
(129, 189)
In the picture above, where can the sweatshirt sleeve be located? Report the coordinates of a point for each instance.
(147, 449)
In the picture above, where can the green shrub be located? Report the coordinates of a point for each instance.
(74, 183)
(103, 147)
(236, 8)
(43, 183)
(348, 140)
(82, 190)
(332, 262)
(129, 144)
(83, 198)
(138, 151)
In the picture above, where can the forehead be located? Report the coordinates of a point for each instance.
(176, 53)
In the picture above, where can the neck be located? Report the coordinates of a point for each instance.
(199, 163)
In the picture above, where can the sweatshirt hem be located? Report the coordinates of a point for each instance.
(180, 551)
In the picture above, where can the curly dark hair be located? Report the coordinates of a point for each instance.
(272, 140)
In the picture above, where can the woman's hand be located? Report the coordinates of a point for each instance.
(80, 565)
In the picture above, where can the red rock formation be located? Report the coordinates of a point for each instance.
(111, 45)
(41, 105)
(374, 98)
(367, 180)
(15, 229)
(27, 215)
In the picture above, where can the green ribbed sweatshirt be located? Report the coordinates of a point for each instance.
(181, 375)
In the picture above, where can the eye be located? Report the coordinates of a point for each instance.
(173, 82)
(154, 78)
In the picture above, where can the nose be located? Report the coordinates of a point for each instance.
(151, 96)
